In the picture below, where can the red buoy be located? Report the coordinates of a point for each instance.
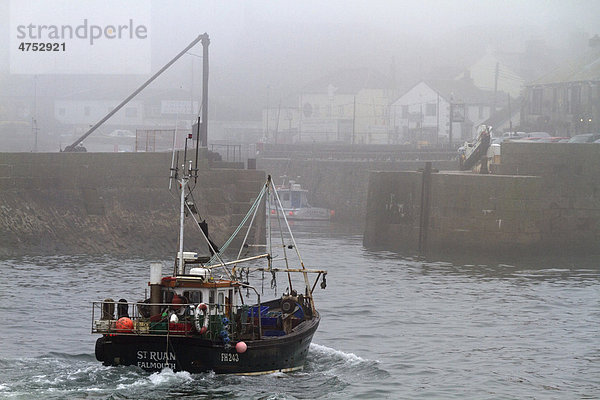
(177, 301)
(124, 324)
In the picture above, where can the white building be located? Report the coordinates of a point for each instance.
(422, 114)
(348, 106)
(154, 109)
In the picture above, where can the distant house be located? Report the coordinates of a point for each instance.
(422, 114)
(496, 71)
(566, 101)
(348, 106)
(154, 109)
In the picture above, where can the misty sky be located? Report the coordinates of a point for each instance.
(279, 46)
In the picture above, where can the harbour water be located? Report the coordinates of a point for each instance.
(393, 327)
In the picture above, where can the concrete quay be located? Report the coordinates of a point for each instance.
(544, 198)
(337, 176)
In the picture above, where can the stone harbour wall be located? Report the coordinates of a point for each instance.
(112, 203)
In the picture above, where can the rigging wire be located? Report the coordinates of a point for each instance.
(245, 238)
(306, 282)
(283, 244)
(228, 242)
(216, 254)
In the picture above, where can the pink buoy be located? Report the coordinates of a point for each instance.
(241, 347)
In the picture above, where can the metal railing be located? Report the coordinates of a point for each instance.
(226, 322)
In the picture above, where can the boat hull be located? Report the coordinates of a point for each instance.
(306, 214)
(195, 354)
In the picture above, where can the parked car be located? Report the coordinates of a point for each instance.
(537, 135)
(585, 138)
(511, 135)
(553, 139)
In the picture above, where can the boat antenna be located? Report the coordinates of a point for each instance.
(173, 165)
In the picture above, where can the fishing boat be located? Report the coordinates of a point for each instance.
(295, 204)
(207, 315)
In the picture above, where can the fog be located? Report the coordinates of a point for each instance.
(263, 51)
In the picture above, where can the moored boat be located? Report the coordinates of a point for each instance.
(296, 206)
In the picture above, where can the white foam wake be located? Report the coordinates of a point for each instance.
(333, 353)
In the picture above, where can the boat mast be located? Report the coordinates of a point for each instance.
(184, 180)
(270, 244)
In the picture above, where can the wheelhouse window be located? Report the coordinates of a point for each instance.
(193, 296)
(296, 199)
(221, 300)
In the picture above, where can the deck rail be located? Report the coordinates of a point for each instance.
(225, 321)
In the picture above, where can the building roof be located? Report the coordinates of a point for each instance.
(585, 68)
(461, 90)
(349, 81)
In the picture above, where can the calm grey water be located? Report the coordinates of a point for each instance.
(393, 327)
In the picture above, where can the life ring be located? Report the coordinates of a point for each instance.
(204, 309)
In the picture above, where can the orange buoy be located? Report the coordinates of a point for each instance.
(124, 324)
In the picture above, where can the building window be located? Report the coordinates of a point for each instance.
(86, 110)
(565, 99)
(405, 112)
(575, 99)
(61, 111)
(536, 101)
(431, 110)
(131, 112)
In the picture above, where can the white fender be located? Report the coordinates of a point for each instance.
(204, 309)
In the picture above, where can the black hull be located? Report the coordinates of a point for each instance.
(195, 354)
